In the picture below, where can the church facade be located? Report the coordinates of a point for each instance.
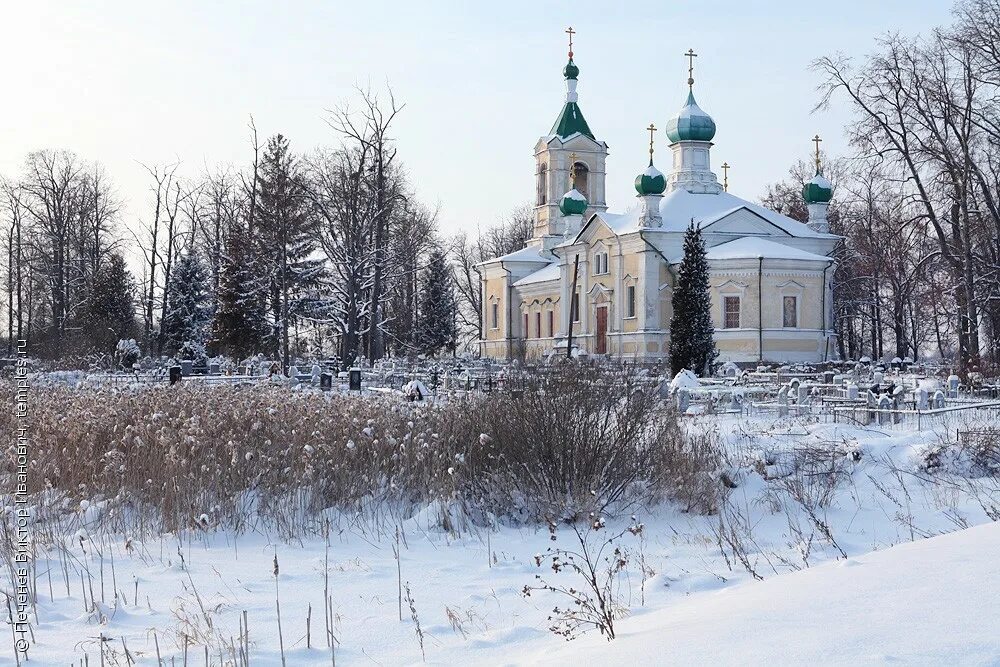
(602, 282)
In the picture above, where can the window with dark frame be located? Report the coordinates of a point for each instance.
(576, 307)
(538, 324)
(552, 319)
(495, 316)
(526, 325)
(731, 312)
(630, 301)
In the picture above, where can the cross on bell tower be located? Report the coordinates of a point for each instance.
(816, 141)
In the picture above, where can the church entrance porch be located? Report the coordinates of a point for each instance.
(601, 342)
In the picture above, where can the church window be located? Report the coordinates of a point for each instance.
(495, 316)
(630, 301)
(789, 310)
(600, 263)
(731, 312)
(541, 187)
(580, 174)
(552, 319)
(576, 307)
(538, 324)
(526, 325)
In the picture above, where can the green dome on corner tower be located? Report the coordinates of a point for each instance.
(650, 182)
(818, 190)
(573, 203)
(691, 123)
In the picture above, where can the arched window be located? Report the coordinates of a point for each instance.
(580, 173)
(541, 184)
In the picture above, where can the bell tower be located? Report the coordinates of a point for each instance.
(568, 158)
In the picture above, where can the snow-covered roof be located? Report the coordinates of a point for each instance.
(680, 207)
(550, 272)
(752, 247)
(522, 255)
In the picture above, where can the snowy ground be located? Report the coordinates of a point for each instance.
(921, 603)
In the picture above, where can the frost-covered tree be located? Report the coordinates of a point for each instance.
(692, 345)
(109, 312)
(189, 306)
(239, 325)
(437, 323)
(286, 232)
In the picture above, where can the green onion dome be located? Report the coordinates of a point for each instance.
(650, 182)
(690, 123)
(819, 190)
(571, 71)
(573, 203)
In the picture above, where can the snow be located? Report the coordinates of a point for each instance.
(926, 602)
(822, 181)
(550, 272)
(574, 194)
(522, 255)
(652, 172)
(753, 247)
(896, 597)
(684, 379)
(679, 207)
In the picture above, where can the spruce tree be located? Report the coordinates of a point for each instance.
(239, 325)
(109, 313)
(692, 345)
(287, 241)
(189, 307)
(436, 328)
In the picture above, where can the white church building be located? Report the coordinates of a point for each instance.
(605, 279)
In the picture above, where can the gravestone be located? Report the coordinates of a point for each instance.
(317, 374)
(355, 379)
(186, 367)
(938, 399)
(326, 381)
(852, 392)
(783, 401)
(735, 402)
(214, 368)
(884, 405)
(878, 377)
(175, 374)
(921, 396)
(953, 384)
(803, 394)
(683, 400)
(828, 377)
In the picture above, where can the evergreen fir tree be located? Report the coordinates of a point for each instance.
(109, 313)
(692, 345)
(189, 307)
(239, 326)
(287, 239)
(436, 328)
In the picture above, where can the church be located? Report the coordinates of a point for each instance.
(601, 282)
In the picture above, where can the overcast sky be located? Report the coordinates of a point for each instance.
(129, 82)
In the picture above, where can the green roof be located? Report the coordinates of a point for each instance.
(571, 121)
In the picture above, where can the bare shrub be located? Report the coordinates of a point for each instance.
(599, 562)
(581, 440)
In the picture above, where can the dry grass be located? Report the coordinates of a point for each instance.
(241, 457)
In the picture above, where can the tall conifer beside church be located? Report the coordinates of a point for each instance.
(605, 280)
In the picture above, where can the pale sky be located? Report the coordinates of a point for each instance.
(129, 82)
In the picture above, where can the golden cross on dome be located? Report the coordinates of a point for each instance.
(725, 176)
(651, 128)
(816, 141)
(690, 55)
(569, 31)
